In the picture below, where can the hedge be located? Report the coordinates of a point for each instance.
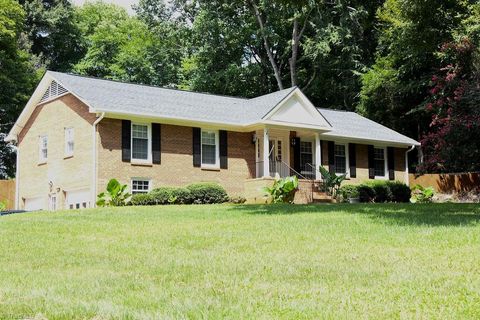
(197, 193)
(376, 191)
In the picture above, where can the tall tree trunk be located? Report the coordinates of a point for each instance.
(293, 59)
(261, 24)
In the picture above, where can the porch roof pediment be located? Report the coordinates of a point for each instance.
(296, 110)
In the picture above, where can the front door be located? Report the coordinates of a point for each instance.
(275, 155)
(306, 160)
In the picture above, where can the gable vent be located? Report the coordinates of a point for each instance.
(54, 90)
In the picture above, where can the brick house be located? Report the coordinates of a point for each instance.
(76, 133)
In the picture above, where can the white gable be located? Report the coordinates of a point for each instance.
(297, 109)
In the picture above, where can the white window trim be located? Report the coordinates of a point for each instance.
(149, 146)
(385, 160)
(217, 150)
(141, 179)
(41, 159)
(347, 158)
(68, 153)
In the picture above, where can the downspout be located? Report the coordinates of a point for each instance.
(94, 153)
(17, 177)
(407, 179)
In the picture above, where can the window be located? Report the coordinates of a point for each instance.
(69, 142)
(43, 149)
(340, 159)
(210, 148)
(141, 142)
(379, 162)
(140, 186)
(53, 203)
(279, 150)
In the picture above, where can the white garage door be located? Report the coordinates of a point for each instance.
(32, 204)
(78, 199)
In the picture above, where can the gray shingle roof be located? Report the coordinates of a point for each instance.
(352, 125)
(119, 97)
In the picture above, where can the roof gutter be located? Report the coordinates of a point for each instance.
(94, 155)
(407, 178)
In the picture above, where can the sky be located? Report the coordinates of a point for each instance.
(127, 4)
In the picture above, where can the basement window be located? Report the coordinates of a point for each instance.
(140, 186)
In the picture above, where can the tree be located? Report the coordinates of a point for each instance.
(396, 86)
(123, 48)
(450, 143)
(17, 78)
(52, 33)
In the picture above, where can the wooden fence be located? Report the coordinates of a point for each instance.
(448, 182)
(7, 193)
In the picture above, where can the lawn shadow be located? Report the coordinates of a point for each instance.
(434, 214)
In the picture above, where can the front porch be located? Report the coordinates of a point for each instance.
(288, 153)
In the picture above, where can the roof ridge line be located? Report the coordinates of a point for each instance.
(150, 85)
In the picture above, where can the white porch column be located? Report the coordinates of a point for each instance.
(318, 156)
(266, 149)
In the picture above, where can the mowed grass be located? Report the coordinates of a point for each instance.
(258, 262)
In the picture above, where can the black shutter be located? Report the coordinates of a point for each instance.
(371, 165)
(156, 143)
(126, 138)
(391, 162)
(197, 160)
(223, 149)
(352, 159)
(331, 156)
(296, 155)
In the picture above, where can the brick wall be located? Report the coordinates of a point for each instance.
(362, 163)
(65, 173)
(176, 168)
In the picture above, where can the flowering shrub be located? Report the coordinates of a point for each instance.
(452, 143)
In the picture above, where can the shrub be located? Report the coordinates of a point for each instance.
(348, 191)
(207, 193)
(182, 196)
(331, 181)
(422, 195)
(115, 196)
(283, 190)
(382, 191)
(366, 193)
(400, 191)
(163, 195)
(143, 199)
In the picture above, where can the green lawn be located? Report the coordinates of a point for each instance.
(326, 261)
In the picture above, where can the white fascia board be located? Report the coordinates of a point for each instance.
(173, 120)
(378, 142)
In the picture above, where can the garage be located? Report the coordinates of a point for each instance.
(77, 199)
(36, 203)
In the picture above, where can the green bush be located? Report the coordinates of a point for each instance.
(382, 191)
(204, 193)
(400, 191)
(348, 191)
(115, 196)
(283, 189)
(422, 195)
(143, 199)
(163, 195)
(182, 196)
(366, 193)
